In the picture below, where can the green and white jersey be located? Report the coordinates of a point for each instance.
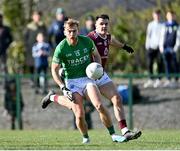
(74, 59)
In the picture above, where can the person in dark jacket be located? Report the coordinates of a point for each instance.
(31, 31)
(5, 41)
(56, 29)
(169, 44)
(89, 25)
(10, 101)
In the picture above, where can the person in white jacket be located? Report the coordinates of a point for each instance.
(152, 46)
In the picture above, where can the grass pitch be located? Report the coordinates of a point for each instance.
(100, 140)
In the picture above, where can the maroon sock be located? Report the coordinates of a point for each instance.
(56, 98)
(122, 124)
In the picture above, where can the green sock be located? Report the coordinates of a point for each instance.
(111, 130)
(85, 135)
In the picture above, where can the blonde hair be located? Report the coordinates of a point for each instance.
(71, 22)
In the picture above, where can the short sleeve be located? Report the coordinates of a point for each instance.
(56, 57)
(92, 45)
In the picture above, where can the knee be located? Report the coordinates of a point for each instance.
(79, 115)
(116, 100)
(99, 108)
(91, 87)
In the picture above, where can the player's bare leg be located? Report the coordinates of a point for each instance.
(109, 91)
(95, 97)
(79, 113)
(59, 99)
(76, 106)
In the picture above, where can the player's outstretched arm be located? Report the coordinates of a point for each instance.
(118, 44)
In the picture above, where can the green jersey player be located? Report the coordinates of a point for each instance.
(73, 54)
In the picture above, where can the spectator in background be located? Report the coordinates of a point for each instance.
(10, 102)
(31, 31)
(169, 44)
(40, 52)
(56, 30)
(5, 41)
(152, 47)
(89, 25)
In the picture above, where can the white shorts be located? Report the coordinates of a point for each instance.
(105, 79)
(78, 84)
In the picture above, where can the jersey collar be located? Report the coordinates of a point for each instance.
(105, 37)
(71, 44)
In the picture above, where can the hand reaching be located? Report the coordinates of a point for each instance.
(128, 48)
(67, 93)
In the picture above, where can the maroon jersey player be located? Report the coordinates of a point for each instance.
(102, 45)
(102, 40)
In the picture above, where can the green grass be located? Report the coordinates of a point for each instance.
(100, 140)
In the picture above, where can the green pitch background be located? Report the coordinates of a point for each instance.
(100, 140)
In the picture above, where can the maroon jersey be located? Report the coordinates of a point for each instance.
(102, 45)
